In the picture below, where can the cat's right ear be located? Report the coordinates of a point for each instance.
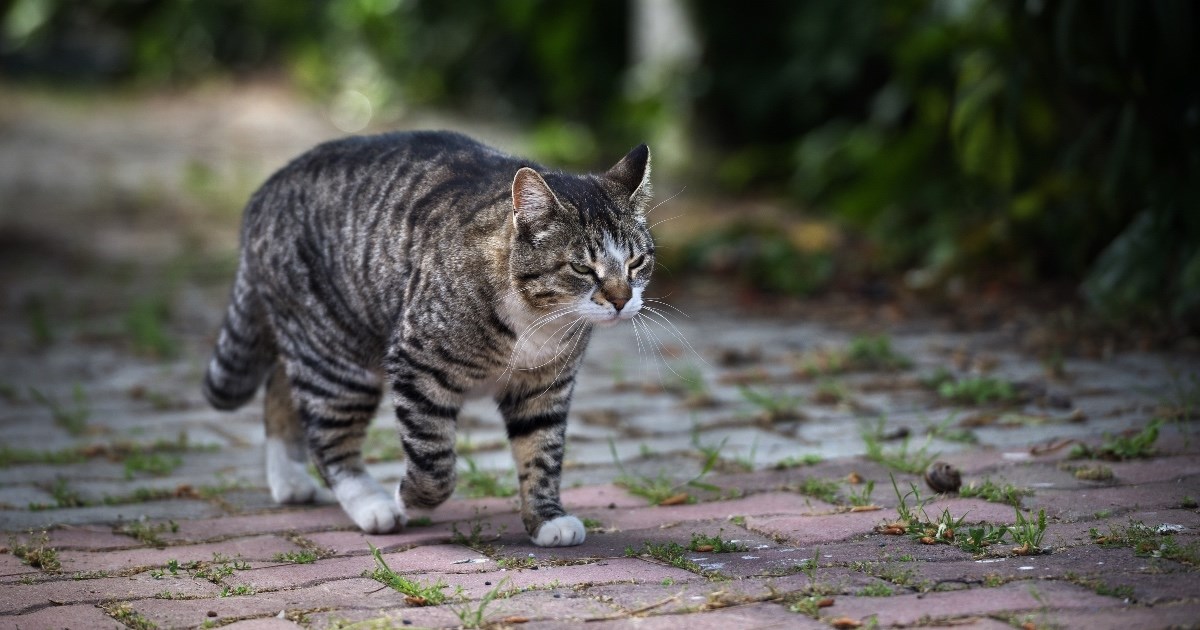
(533, 200)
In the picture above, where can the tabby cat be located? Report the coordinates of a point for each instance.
(448, 268)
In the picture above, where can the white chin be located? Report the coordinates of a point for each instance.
(607, 322)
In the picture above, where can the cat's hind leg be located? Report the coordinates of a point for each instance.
(336, 401)
(286, 452)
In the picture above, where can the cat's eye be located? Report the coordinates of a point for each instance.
(637, 262)
(582, 269)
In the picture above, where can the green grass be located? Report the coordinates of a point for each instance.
(876, 590)
(977, 539)
(64, 496)
(861, 498)
(474, 537)
(124, 613)
(517, 562)
(1027, 531)
(977, 390)
(660, 488)
(71, 416)
(146, 326)
(473, 616)
(1121, 448)
(37, 317)
(304, 556)
(156, 464)
(900, 458)
(475, 483)
(148, 533)
(418, 594)
(863, 353)
(36, 552)
(773, 406)
(793, 461)
(240, 589)
(823, 489)
(714, 544)
(995, 493)
(671, 553)
(867, 352)
(1147, 541)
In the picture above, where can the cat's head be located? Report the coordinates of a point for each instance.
(581, 241)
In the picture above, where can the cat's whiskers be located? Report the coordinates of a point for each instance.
(666, 200)
(664, 221)
(577, 335)
(571, 332)
(551, 338)
(658, 350)
(533, 328)
(661, 319)
(668, 305)
(643, 350)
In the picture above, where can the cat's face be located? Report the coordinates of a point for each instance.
(581, 242)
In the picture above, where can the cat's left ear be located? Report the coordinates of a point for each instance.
(632, 174)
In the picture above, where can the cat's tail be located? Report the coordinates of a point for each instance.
(245, 349)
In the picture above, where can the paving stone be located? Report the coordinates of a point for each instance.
(89, 537)
(13, 568)
(21, 598)
(354, 542)
(21, 497)
(264, 623)
(79, 616)
(445, 616)
(561, 605)
(261, 548)
(297, 519)
(1014, 597)
(1181, 615)
(11, 520)
(764, 615)
(774, 503)
(360, 593)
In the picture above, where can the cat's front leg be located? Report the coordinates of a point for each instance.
(536, 421)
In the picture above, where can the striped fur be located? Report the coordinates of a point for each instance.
(445, 269)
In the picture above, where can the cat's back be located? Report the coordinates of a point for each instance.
(400, 172)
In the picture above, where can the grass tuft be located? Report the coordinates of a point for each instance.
(416, 593)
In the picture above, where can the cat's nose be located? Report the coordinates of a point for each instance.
(618, 303)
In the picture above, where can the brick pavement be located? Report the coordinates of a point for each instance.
(188, 537)
(132, 504)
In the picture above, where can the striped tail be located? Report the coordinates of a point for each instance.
(244, 352)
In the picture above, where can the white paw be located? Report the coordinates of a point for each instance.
(288, 479)
(563, 531)
(369, 506)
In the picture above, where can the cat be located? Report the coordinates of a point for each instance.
(448, 268)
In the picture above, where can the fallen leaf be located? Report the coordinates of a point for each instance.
(825, 603)
(928, 540)
(865, 508)
(854, 478)
(703, 548)
(514, 619)
(845, 622)
(677, 499)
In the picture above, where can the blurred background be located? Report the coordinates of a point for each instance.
(933, 152)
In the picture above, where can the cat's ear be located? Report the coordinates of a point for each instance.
(532, 198)
(632, 174)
